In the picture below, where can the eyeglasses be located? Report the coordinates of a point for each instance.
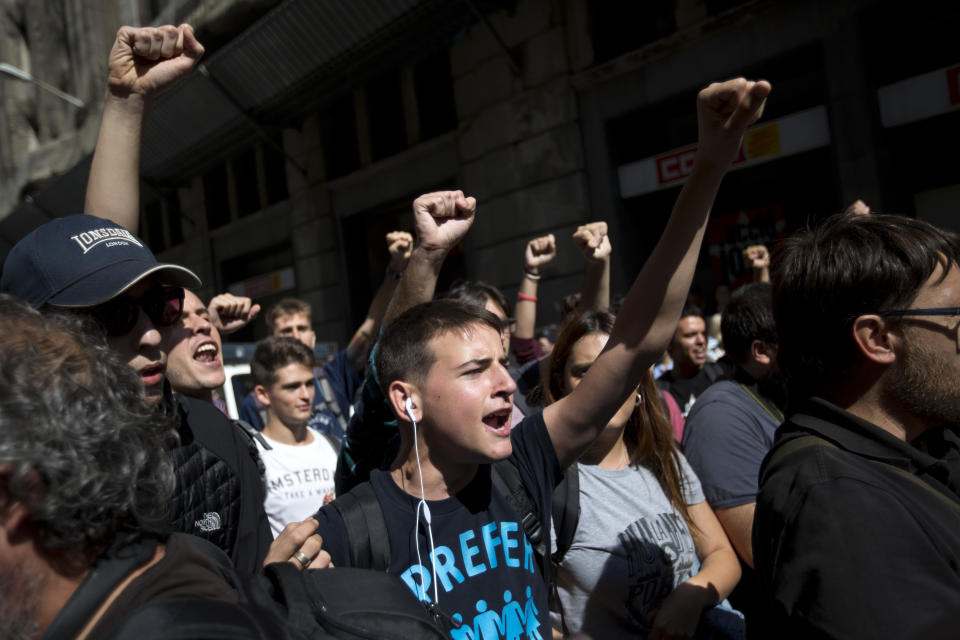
(939, 311)
(118, 316)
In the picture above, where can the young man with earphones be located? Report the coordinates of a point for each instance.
(455, 539)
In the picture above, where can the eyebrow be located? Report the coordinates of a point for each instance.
(478, 362)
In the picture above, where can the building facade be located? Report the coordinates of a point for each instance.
(277, 169)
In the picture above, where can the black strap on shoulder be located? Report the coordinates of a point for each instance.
(110, 569)
(190, 619)
(366, 528)
(566, 511)
(506, 479)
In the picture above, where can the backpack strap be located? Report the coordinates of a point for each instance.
(366, 528)
(812, 440)
(506, 479)
(566, 511)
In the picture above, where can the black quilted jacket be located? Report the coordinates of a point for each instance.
(219, 489)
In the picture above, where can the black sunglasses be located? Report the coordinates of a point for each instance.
(118, 316)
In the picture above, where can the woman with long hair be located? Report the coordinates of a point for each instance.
(648, 556)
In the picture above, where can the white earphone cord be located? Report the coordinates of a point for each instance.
(426, 512)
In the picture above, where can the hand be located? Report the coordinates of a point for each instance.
(299, 537)
(539, 252)
(757, 256)
(858, 207)
(679, 614)
(228, 312)
(399, 246)
(724, 111)
(147, 60)
(593, 242)
(442, 219)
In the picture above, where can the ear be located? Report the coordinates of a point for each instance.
(874, 339)
(762, 353)
(260, 392)
(15, 514)
(398, 393)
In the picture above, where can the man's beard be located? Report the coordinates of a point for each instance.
(20, 596)
(923, 385)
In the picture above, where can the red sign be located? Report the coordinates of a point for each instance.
(729, 234)
(953, 84)
(675, 166)
(678, 165)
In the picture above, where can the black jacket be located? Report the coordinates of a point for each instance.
(857, 533)
(219, 488)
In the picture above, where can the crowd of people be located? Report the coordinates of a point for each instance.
(806, 484)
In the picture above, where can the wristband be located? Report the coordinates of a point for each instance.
(521, 296)
(532, 276)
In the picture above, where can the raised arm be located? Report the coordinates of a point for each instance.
(399, 246)
(758, 257)
(442, 219)
(142, 64)
(538, 253)
(651, 309)
(594, 243)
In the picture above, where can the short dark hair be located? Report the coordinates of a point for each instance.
(404, 352)
(275, 353)
(477, 293)
(287, 307)
(74, 416)
(748, 316)
(824, 278)
(690, 309)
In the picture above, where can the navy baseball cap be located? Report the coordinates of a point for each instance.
(83, 261)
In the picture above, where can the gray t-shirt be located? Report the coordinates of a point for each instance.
(629, 552)
(727, 435)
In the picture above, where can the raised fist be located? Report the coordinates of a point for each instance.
(442, 219)
(399, 246)
(228, 312)
(147, 60)
(757, 256)
(724, 111)
(592, 241)
(539, 252)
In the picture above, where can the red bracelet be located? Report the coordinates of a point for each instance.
(521, 296)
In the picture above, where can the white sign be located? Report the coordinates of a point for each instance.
(920, 97)
(798, 132)
(265, 284)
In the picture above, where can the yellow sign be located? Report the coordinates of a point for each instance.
(762, 141)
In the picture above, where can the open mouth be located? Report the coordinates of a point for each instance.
(498, 422)
(151, 375)
(207, 353)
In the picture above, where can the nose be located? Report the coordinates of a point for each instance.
(505, 381)
(148, 336)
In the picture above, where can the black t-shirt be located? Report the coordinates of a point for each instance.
(687, 390)
(486, 568)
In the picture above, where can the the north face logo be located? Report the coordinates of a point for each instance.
(209, 522)
(89, 239)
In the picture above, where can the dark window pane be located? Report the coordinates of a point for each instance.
(215, 197)
(275, 168)
(385, 109)
(339, 127)
(619, 27)
(245, 177)
(434, 88)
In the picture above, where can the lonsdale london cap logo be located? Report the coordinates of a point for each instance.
(110, 235)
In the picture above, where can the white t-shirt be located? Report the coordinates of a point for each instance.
(299, 479)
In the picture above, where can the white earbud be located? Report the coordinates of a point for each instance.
(408, 405)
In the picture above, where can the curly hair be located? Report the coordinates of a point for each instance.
(85, 452)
